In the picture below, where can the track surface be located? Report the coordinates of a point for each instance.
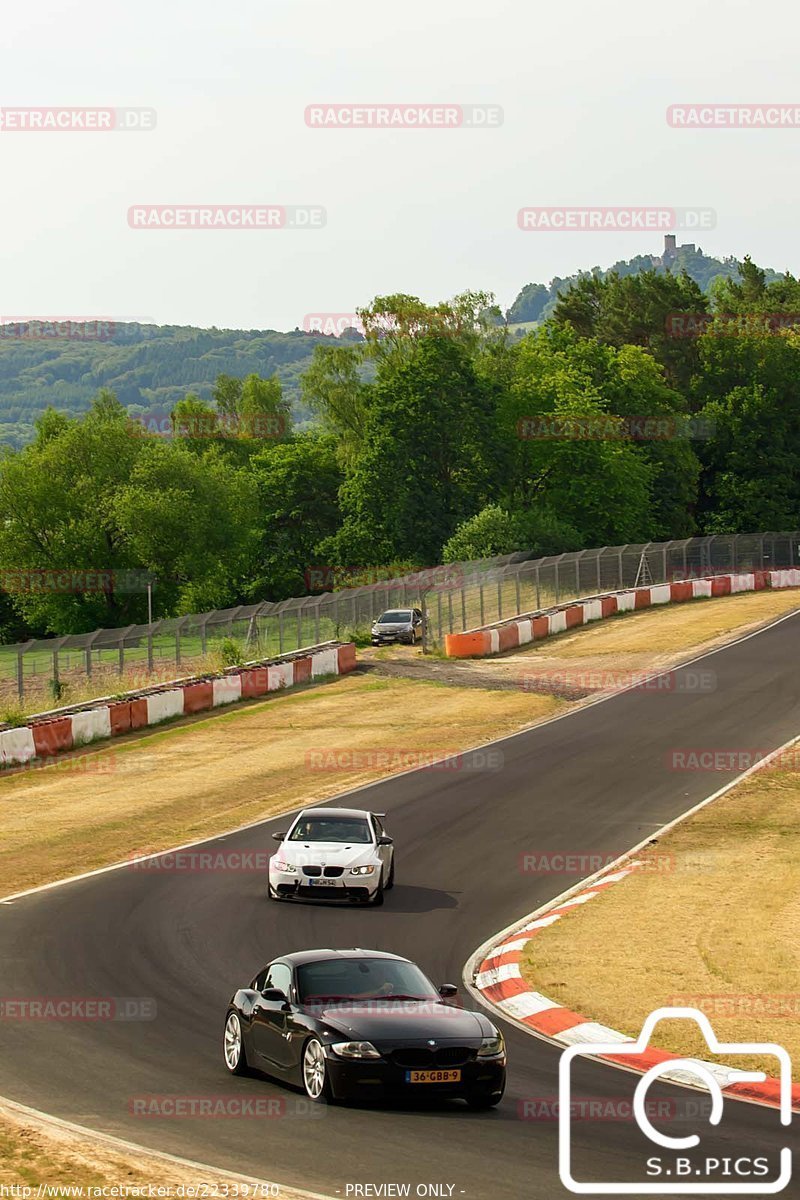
(596, 781)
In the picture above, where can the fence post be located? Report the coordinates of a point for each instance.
(463, 606)
(280, 631)
(21, 669)
(450, 611)
(316, 622)
(558, 595)
(538, 591)
(480, 592)
(516, 588)
(499, 600)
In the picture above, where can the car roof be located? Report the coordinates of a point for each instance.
(334, 812)
(299, 957)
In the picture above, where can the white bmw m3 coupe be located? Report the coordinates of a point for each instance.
(333, 854)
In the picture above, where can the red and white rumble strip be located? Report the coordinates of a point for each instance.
(49, 734)
(499, 980)
(506, 635)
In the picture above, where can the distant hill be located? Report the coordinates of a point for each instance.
(148, 366)
(536, 301)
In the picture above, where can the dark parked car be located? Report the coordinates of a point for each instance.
(362, 1024)
(398, 625)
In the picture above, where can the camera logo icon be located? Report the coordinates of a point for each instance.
(680, 1164)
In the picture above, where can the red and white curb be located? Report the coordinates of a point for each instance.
(499, 980)
(532, 627)
(49, 734)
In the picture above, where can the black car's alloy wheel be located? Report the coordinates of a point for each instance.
(233, 1046)
(315, 1072)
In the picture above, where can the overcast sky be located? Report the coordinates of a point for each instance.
(584, 88)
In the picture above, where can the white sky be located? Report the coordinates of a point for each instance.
(584, 87)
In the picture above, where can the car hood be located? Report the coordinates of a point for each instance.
(391, 628)
(378, 1021)
(323, 854)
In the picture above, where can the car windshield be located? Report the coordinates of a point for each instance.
(395, 617)
(334, 979)
(331, 829)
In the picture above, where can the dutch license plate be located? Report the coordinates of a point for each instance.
(433, 1076)
(322, 883)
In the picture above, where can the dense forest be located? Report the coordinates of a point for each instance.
(149, 367)
(644, 408)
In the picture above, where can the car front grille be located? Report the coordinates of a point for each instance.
(312, 872)
(422, 1058)
(333, 872)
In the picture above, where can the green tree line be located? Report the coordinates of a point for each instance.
(644, 408)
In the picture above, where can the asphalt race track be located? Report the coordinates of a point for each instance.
(596, 781)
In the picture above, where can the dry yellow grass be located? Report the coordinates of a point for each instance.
(671, 628)
(221, 771)
(715, 926)
(36, 1151)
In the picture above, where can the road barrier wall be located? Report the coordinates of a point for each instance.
(48, 734)
(532, 627)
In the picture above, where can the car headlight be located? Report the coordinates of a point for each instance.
(355, 1050)
(368, 870)
(492, 1046)
(288, 868)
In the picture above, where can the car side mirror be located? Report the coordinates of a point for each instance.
(278, 837)
(385, 841)
(274, 995)
(448, 990)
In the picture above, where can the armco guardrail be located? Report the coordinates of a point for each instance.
(533, 626)
(51, 733)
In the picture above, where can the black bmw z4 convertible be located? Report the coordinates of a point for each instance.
(362, 1025)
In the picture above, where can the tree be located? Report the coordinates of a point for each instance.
(638, 310)
(297, 485)
(426, 462)
(565, 450)
(57, 499)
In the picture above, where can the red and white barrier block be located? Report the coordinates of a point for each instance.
(532, 627)
(53, 733)
(499, 980)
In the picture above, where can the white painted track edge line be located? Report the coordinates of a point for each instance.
(483, 952)
(602, 699)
